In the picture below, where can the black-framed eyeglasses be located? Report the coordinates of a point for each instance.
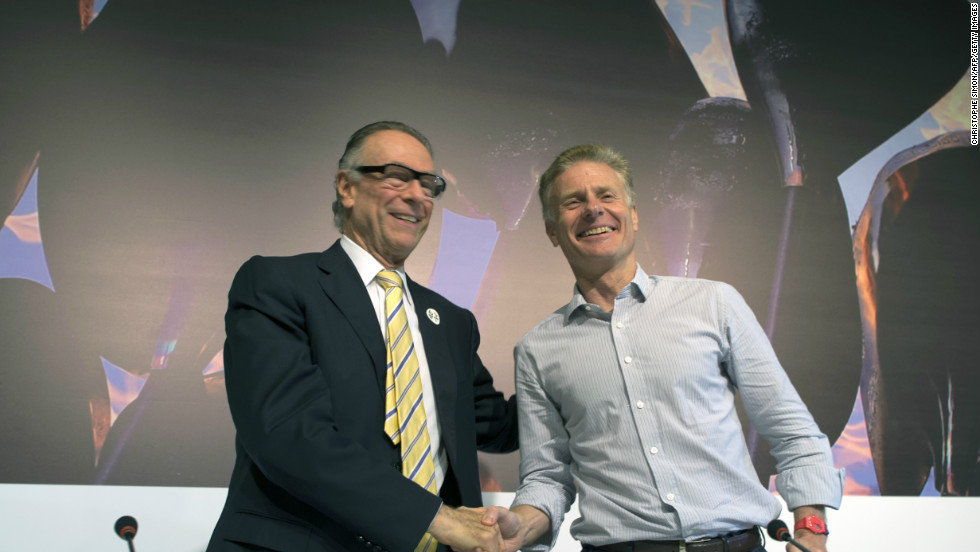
(399, 177)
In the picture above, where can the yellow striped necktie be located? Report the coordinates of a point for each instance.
(404, 412)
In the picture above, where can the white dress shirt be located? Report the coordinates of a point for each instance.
(368, 268)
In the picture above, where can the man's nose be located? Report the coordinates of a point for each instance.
(593, 207)
(415, 191)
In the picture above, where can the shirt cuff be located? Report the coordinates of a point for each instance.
(811, 486)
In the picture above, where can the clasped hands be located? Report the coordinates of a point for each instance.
(490, 529)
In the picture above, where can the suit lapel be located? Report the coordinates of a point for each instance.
(340, 281)
(441, 368)
(342, 285)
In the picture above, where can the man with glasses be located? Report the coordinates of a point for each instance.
(358, 396)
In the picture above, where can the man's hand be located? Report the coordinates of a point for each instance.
(509, 524)
(519, 526)
(812, 542)
(462, 530)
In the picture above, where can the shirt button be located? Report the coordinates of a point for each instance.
(654, 450)
(619, 325)
(639, 404)
(670, 497)
(628, 360)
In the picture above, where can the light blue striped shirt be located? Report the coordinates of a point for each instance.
(636, 410)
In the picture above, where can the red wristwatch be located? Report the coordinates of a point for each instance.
(813, 524)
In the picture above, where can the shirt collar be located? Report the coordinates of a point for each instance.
(641, 285)
(368, 267)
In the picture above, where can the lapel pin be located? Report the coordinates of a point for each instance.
(433, 316)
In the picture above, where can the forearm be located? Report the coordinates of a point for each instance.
(804, 511)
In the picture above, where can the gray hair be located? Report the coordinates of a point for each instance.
(352, 157)
(588, 152)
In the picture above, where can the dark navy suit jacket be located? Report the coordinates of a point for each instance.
(305, 372)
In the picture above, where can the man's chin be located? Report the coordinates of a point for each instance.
(593, 259)
(403, 249)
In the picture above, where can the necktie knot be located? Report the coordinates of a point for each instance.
(388, 279)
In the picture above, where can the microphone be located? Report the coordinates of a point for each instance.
(779, 531)
(126, 529)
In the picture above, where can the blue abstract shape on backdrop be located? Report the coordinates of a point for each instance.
(465, 247)
(21, 249)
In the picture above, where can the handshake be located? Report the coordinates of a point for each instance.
(490, 529)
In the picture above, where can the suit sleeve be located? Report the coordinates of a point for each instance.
(281, 405)
(496, 418)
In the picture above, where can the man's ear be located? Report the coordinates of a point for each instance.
(636, 219)
(549, 228)
(345, 189)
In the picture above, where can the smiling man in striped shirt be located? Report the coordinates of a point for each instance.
(627, 396)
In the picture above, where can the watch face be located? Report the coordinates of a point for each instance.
(812, 523)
